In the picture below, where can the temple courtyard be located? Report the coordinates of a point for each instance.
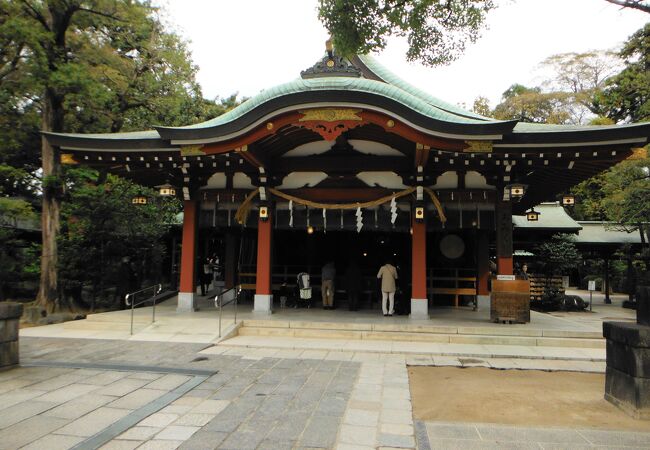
(315, 379)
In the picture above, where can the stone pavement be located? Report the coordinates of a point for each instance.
(440, 435)
(86, 393)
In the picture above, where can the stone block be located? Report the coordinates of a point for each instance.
(632, 334)
(634, 361)
(8, 354)
(10, 310)
(631, 394)
(627, 377)
(8, 330)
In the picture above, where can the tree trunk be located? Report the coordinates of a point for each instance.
(52, 120)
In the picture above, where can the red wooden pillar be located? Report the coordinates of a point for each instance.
(419, 302)
(483, 263)
(263, 292)
(188, 258)
(504, 237)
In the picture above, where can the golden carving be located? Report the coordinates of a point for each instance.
(269, 125)
(68, 158)
(243, 148)
(390, 123)
(330, 63)
(192, 150)
(330, 115)
(478, 147)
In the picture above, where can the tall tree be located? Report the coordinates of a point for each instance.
(437, 31)
(626, 96)
(91, 65)
(582, 75)
(532, 105)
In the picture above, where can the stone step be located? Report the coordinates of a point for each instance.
(105, 326)
(478, 339)
(323, 345)
(506, 330)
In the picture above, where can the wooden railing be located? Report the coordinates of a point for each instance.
(454, 282)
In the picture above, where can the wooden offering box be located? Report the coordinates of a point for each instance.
(510, 301)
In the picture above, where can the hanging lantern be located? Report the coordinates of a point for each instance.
(568, 200)
(517, 190)
(419, 213)
(166, 190)
(532, 215)
(139, 200)
(264, 213)
(310, 230)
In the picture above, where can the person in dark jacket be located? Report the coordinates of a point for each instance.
(353, 284)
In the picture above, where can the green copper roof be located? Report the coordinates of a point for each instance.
(526, 127)
(390, 78)
(148, 134)
(341, 84)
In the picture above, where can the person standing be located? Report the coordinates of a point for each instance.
(327, 285)
(353, 281)
(388, 274)
(206, 276)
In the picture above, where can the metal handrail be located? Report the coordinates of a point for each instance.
(218, 302)
(128, 299)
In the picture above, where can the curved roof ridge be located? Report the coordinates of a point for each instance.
(531, 127)
(143, 134)
(390, 91)
(389, 77)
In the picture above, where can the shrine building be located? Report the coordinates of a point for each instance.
(349, 162)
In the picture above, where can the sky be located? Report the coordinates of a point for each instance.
(247, 46)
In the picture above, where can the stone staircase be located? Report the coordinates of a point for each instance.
(489, 335)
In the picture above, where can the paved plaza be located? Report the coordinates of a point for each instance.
(115, 394)
(91, 384)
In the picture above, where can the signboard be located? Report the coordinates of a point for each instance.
(478, 147)
(506, 277)
(591, 285)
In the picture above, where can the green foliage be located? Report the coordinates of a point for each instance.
(582, 75)
(437, 31)
(626, 96)
(620, 194)
(18, 260)
(88, 66)
(533, 105)
(567, 96)
(101, 227)
(482, 106)
(557, 256)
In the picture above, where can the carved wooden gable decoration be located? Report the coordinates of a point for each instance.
(330, 123)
